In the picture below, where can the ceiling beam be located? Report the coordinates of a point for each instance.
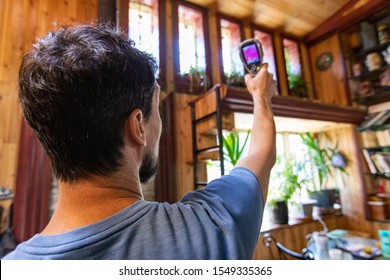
(345, 18)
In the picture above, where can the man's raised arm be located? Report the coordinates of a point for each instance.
(262, 150)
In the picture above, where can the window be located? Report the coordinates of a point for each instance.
(143, 28)
(231, 37)
(192, 73)
(268, 50)
(191, 40)
(292, 57)
(296, 83)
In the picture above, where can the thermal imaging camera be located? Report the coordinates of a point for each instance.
(251, 53)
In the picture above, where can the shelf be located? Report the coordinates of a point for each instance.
(378, 148)
(380, 175)
(363, 54)
(380, 96)
(374, 128)
(234, 99)
(372, 75)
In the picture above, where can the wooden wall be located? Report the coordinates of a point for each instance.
(21, 22)
(293, 237)
(329, 85)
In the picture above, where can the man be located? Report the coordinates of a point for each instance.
(92, 101)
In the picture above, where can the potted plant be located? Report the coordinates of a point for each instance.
(235, 79)
(195, 81)
(323, 162)
(297, 85)
(287, 193)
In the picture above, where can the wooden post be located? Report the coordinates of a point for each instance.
(107, 11)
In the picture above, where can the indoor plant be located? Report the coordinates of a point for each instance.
(232, 149)
(196, 80)
(235, 79)
(323, 162)
(288, 182)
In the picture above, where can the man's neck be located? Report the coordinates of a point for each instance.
(89, 201)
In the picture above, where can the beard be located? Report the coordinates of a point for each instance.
(149, 168)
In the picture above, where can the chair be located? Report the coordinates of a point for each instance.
(285, 253)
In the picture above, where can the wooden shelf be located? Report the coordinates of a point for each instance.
(372, 75)
(234, 99)
(374, 128)
(380, 96)
(363, 54)
(380, 175)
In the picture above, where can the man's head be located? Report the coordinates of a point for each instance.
(77, 88)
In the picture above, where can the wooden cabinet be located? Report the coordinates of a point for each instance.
(366, 51)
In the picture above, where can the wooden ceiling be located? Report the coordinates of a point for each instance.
(294, 17)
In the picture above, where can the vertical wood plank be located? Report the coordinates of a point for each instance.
(329, 84)
(20, 23)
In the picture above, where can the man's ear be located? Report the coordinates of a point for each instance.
(136, 128)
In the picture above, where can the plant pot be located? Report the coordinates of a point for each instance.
(325, 198)
(308, 207)
(279, 214)
(302, 210)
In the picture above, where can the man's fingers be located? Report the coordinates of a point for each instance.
(247, 78)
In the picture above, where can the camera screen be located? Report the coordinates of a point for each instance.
(251, 54)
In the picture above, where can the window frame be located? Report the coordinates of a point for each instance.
(298, 41)
(123, 24)
(219, 17)
(178, 80)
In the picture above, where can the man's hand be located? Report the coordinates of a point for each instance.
(262, 85)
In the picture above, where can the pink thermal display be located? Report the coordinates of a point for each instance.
(250, 53)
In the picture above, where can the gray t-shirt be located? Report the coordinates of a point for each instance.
(220, 221)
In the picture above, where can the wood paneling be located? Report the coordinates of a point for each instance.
(329, 84)
(20, 23)
(183, 134)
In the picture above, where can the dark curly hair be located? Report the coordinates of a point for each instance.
(76, 88)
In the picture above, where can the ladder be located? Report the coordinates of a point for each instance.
(195, 122)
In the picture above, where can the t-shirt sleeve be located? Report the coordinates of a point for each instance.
(235, 202)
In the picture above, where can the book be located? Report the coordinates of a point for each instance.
(372, 119)
(369, 161)
(383, 164)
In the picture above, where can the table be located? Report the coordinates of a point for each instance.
(351, 248)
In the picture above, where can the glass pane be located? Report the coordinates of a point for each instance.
(231, 39)
(268, 49)
(191, 40)
(296, 84)
(293, 60)
(143, 26)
